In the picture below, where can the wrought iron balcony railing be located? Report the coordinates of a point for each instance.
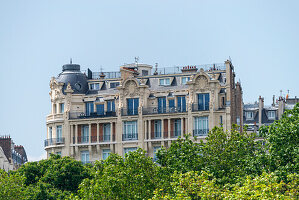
(54, 141)
(156, 110)
(200, 132)
(199, 107)
(83, 115)
(130, 136)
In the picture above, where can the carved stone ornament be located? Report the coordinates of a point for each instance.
(201, 82)
(131, 89)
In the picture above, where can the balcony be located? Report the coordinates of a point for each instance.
(54, 141)
(127, 112)
(129, 136)
(156, 110)
(83, 115)
(200, 132)
(197, 107)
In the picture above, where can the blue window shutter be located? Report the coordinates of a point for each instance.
(136, 105)
(200, 102)
(207, 100)
(100, 109)
(130, 106)
(184, 103)
(161, 104)
(113, 106)
(108, 106)
(179, 103)
(171, 103)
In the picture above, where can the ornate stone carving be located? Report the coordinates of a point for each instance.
(201, 83)
(131, 89)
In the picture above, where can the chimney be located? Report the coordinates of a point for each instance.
(273, 100)
(261, 106)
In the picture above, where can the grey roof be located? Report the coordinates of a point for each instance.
(71, 74)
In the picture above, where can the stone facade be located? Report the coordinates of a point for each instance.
(120, 111)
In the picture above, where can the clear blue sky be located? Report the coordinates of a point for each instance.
(38, 37)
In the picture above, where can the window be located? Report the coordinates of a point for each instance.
(58, 153)
(85, 157)
(130, 130)
(50, 133)
(132, 104)
(94, 86)
(185, 80)
(164, 81)
(144, 72)
(85, 134)
(105, 153)
(89, 108)
(161, 104)
(54, 108)
(156, 149)
(271, 114)
(100, 109)
(107, 132)
(221, 121)
(203, 101)
(157, 128)
(201, 126)
(111, 106)
(130, 149)
(181, 103)
(61, 107)
(114, 84)
(177, 127)
(58, 132)
(249, 115)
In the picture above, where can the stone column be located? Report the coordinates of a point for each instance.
(89, 133)
(182, 127)
(98, 132)
(111, 130)
(168, 128)
(150, 129)
(72, 134)
(162, 128)
(76, 134)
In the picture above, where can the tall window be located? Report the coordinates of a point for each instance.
(61, 105)
(181, 103)
(85, 134)
(177, 127)
(132, 104)
(201, 126)
(157, 128)
(130, 130)
(89, 108)
(110, 106)
(185, 80)
(105, 153)
(100, 109)
(161, 104)
(85, 157)
(50, 133)
(164, 81)
(107, 132)
(59, 132)
(203, 101)
(156, 149)
(130, 149)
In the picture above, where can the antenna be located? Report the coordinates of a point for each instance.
(156, 69)
(71, 61)
(281, 93)
(136, 60)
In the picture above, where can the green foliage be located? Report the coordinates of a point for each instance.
(11, 186)
(282, 140)
(134, 177)
(183, 155)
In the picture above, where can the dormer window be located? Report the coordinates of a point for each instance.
(249, 115)
(271, 114)
(185, 80)
(114, 84)
(164, 81)
(94, 86)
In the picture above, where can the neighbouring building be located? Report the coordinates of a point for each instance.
(98, 113)
(257, 114)
(11, 156)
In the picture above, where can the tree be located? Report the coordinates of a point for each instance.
(11, 186)
(282, 140)
(132, 177)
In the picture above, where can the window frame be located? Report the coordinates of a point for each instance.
(164, 81)
(201, 126)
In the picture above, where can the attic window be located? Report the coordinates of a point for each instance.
(185, 80)
(164, 81)
(249, 115)
(114, 84)
(271, 114)
(94, 86)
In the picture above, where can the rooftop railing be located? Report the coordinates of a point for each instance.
(83, 115)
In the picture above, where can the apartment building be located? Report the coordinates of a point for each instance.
(97, 113)
(11, 156)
